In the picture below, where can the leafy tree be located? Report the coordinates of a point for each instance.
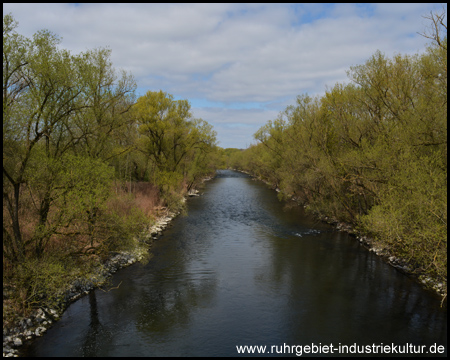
(175, 142)
(61, 112)
(35, 116)
(372, 153)
(105, 120)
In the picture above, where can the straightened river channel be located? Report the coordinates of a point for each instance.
(242, 269)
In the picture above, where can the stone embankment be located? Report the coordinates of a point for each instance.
(435, 285)
(438, 287)
(41, 319)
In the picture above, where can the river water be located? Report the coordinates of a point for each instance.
(241, 269)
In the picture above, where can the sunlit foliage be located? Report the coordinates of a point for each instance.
(372, 152)
(85, 165)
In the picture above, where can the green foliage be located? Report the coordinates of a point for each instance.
(42, 282)
(178, 146)
(61, 112)
(226, 157)
(64, 117)
(372, 153)
(119, 231)
(72, 134)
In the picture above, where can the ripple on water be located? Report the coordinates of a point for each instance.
(241, 270)
(308, 232)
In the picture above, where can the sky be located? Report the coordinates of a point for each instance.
(239, 65)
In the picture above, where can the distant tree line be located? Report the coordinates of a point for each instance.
(372, 153)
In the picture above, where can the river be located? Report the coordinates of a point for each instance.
(241, 269)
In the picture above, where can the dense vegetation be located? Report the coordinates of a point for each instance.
(372, 153)
(86, 166)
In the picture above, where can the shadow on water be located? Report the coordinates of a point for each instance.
(94, 328)
(242, 269)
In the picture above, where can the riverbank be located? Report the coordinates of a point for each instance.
(437, 286)
(238, 266)
(36, 324)
(427, 282)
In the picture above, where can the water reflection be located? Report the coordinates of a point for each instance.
(94, 329)
(241, 269)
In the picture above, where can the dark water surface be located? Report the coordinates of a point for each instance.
(242, 270)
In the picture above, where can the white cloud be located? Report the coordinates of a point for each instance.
(235, 127)
(233, 53)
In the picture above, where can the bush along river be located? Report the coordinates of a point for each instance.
(241, 270)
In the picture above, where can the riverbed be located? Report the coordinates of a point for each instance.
(242, 269)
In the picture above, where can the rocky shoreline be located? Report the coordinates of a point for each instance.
(402, 265)
(42, 318)
(427, 282)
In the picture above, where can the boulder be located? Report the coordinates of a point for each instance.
(17, 341)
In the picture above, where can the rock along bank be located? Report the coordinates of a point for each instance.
(41, 319)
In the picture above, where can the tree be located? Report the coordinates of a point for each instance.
(437, 31)
(372, 153)
(105, 121)
(39, 98)
(61, 114)
(173, 140)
